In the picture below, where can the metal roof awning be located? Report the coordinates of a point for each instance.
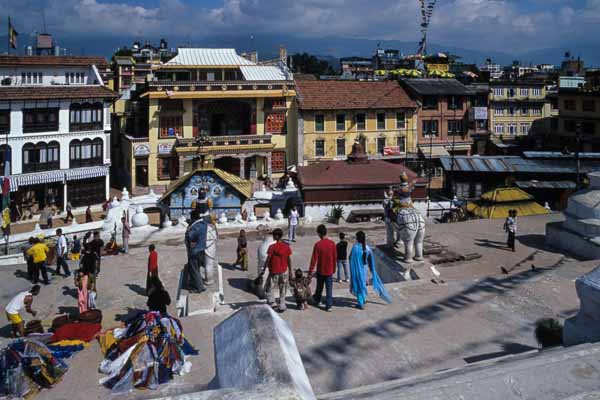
(433, 151)
(38, 178)
(458, 147)
(556, 185)
(76, 174)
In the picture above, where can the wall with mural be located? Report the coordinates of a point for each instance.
(225, 197)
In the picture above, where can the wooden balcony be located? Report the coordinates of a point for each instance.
(224, 144)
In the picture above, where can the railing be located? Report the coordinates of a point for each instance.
(187, 86)
(211, 141)
(51, 127)
(86, 162)
(92, 126)
(41, 167)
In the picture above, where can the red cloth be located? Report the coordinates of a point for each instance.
(85, 331)
(324, 257)
(278, 253)
(153, 262)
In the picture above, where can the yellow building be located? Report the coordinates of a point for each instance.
(516, 105)
(211, 103)
(332, 115)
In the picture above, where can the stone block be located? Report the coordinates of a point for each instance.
(255, 346)
(585, 326)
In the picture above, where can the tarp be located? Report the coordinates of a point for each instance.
(500, 210)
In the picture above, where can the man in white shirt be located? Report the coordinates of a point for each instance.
(13, 309)
(62, 251)
(292, 224)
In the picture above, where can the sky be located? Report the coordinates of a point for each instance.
(505, 25)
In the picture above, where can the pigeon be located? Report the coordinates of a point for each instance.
(504, 270)
(532, 266)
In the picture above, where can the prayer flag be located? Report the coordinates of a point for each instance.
(12, 35)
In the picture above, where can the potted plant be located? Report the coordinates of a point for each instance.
(336, 213)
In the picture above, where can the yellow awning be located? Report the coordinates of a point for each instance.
(433, 152)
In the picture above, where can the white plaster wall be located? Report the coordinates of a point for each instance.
(50, 75)
(321, 211)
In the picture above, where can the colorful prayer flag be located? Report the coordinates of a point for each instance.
(12, 35)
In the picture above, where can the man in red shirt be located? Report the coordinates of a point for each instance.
(279, 262)
(152, 266)
(324, 257)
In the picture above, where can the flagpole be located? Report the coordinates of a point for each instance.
(8, 39)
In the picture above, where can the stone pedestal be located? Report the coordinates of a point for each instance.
(585, 326)
(579, 234)
(255, 347)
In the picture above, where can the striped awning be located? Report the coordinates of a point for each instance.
(38, 178)
(76, 174)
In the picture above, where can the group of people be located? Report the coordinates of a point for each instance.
(327, 257)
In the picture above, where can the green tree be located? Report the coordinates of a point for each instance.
(308, 64)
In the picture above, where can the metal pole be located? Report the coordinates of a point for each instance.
(429, 169)
(577, 159)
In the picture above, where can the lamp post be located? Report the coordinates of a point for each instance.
(577, 158)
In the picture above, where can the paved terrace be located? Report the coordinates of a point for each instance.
(478, 313)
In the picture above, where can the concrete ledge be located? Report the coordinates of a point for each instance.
(559, 237)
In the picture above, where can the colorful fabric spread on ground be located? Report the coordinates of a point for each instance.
(359, 275)
(149, 352)
(26, 366)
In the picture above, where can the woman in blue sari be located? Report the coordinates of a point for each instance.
(361, 261)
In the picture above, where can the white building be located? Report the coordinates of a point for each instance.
(55, 123)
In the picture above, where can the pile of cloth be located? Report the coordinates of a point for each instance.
(148, 352)
(26, 366)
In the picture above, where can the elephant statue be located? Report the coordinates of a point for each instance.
(201, 239)
(408, 225)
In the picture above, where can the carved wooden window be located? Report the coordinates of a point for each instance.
(278, 161)
(275, 123)
(168, 168)
(171, 126)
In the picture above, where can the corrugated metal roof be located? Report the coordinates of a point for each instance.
(198, 56)
(503, 164)
(535, 184)
(556, 154)
(437, 87)
(262, 73)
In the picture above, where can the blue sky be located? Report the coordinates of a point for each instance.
(505, 25)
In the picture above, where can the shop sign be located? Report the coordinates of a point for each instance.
(141, 150)
(165, 148)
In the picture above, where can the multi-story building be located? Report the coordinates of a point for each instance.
(210, 103)
(357, 68)
(495, 70)
(332, 115)
(515, 105)
(55, 129)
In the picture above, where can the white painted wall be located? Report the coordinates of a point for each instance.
(50, 75)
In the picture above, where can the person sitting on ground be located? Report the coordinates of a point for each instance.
(301, 285)
(14, 307)
(112, 248)
(158, 297)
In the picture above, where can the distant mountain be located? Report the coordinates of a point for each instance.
(329, 47)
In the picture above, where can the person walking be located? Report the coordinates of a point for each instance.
(97, 245)
(39, 254)
(324, 258)
(76, 249)
(362, 260)
(14, 307)
(126, 232)
(242, 251)
(88, 214)
(62, 250)
(279, 263)
(342, 257)
(510, 227)
(292, 224)
(158, 297)
(152, 267)
(81, 283)
(69, 209)
(28, 258)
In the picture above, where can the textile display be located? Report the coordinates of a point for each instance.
(26, 366)
(149, 352)
(359, 275)
(77, 331)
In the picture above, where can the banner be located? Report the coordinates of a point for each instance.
(12, 35)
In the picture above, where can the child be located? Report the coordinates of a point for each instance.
(76, 249)
(301, 285)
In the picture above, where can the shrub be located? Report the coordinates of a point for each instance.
(548, 332)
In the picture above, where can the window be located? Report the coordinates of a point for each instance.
(29, 81)
(86, 153)
(588, 128)
(499, 129)
(340, 146)
(360, 122)
(511, 92)
(570, 105)
(589, 106)
(401, 143)
(536, 92)
(4, 121)
(85, 117)
(380, 145)
(319, 123)
(498, 91)
(570, 125)
(455, 103)
(278, 161)
(430, 103)
(524, 111)
(320, 148)
(536, 111)
(430, 128)
(41, 157)
(380, 121)
(455, 127)
(171, 126)
(168, 168)
(498, 111)
(5, 154)
(23, 78)
(40, 120)
(340, 122)
(512, 129)
(524, 92)
(400, 120)
(524, 129)
(275, 123)
(512, 111)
